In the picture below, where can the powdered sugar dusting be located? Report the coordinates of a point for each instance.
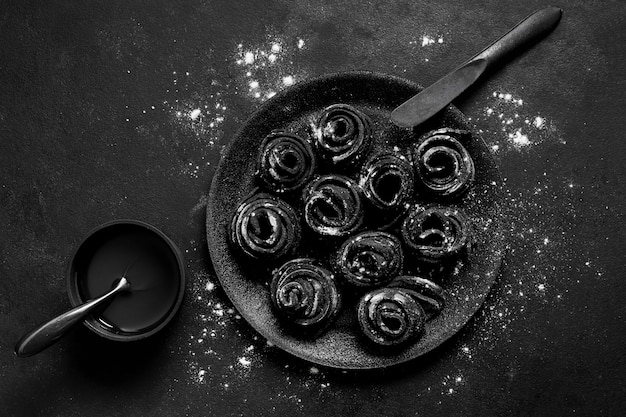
(535, 242)
(233, 365)
(198, 113)
(508, 125)
(201, 114)
(268, 67)
(427, 40)
(541, 265)
(206, 363)
(426, 43)
(196, 102)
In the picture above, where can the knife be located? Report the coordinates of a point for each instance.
(431, 100)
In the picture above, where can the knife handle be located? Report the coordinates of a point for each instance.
(531, 29)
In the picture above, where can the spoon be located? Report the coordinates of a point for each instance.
(46, 334)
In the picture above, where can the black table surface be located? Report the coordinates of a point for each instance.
(114, 110)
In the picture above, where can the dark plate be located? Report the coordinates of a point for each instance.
(294, 109)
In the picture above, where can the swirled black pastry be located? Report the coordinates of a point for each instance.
(442, 164)
(370, 258)
(342, 135)
(265, 227)
(387, 181)
(333, 206)
(426, 292)
(390, 316)
(286, 162)
(435, 232)
(367, 198)
(305, 293)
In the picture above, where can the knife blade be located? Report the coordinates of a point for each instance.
(431, 100)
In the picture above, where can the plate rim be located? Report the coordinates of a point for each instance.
(212, 232)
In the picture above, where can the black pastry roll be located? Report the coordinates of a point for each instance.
(342, 135)
(265, 227)
(286, 162)
(387, 181)
(424, 291)
(442, 164)
(435, 233)
(305, 294)
(370, 259)
(390, 316)
(333, 205)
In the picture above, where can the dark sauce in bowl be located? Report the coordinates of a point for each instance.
(153, 265)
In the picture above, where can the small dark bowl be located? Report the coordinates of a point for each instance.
(155, 270)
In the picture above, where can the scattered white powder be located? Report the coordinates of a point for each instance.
(466, 351)
(542, 263)
(197, 109)
(506, 118)
(539, 122)
(232, 365)
(195, 113)
(536, 243)
(519, 138)
(269, 67)
(428, 40)
(243, 361)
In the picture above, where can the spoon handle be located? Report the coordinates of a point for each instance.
(529, 30)
(51, 331)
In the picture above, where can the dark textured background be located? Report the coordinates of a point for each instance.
(97, 123)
